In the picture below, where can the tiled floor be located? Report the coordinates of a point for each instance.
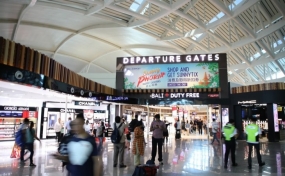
(189, 156)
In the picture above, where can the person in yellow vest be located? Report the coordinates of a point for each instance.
(253, 133)
(230, 134)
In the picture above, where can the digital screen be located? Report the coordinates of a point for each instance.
(275, 116)
(164, 76)
(17, 113)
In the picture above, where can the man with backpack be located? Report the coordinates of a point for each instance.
(118, 139)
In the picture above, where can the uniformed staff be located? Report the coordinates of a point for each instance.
(253, 133)
(230, 134)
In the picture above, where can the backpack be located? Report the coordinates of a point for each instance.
(19, 137)
(132, 125)
(99, 131)
(116, 137)
(62, 148)
(139, 171)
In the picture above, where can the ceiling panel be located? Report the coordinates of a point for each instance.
(7, 30)
(60, 17)
(10, 10)
(86, 48)
(40, 38)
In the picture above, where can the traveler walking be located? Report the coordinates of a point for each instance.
(119, 148)
(157, 127)
(83, 157)
(57, 129)
(215, 127)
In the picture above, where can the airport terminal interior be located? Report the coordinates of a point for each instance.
(197, 63)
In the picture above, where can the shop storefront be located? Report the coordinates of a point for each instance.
(93, 111)
(12, 116)
(267, 106)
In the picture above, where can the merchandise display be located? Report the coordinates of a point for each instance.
(11, 118)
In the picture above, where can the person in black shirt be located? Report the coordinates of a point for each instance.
(200, 126)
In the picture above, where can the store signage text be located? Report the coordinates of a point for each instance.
(87, 103)
(137, 109)
(175, 95)
(172, 59)
(247, 102)
(12, 108)
(68, 111)
(213, 95)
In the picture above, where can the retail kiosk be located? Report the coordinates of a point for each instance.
(264, 102)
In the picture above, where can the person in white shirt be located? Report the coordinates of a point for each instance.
(215, 127)
(87, 126)
(67, 125)
(57, 129)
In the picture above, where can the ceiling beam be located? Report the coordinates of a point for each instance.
(97, 26)
(22, 13)
(51, 53)
(98, 7)
(161, 13)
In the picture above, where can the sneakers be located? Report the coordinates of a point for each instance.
(115, 165)
(160, 163)
(261, 164)
(123, 166)
(235, 164)
(32, 165)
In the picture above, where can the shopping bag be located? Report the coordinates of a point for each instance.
(16, 150)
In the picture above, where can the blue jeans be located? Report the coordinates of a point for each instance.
(215, 138)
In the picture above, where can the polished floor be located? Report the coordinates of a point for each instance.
(189, 156)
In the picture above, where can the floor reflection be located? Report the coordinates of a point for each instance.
(187, 156)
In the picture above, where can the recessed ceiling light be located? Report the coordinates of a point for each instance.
(12, 90)
(12, 84)
(2, 91)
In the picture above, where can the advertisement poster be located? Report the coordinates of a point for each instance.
(174, 111)
(164, 76)
(275, 116)
(225, 116)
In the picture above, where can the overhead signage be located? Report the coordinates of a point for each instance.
(189, 95)
(137, 109)
(100, 111)
(247, 102)
(113, 98)
(171, 59)
(166, 76)
(87, 103)
(17, 108)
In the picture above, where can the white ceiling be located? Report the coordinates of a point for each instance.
(87, 35)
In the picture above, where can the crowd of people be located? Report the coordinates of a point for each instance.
(88, 160)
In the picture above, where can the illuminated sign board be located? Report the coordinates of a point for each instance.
(174, 76)
(86, 103)
(181, 95)
(171, 59)
(247, 102)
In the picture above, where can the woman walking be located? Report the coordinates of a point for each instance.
(138, 147)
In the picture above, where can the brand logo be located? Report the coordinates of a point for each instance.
(213, 95)
(87, 103)
(68, 110)
(23, 109)
(10, 108)
(156, 95)
(247, 102)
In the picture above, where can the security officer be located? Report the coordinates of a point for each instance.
(253, 133)
(230, 134)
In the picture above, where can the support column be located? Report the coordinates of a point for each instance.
(271, 132)
(238, 121)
